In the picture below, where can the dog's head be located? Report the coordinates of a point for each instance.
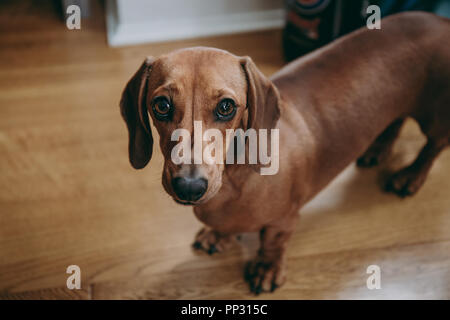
(182, 89)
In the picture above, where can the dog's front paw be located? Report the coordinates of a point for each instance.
(406, 182)
(265, 276)
(211, 241)
(372, 157)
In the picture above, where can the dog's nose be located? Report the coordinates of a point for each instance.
(189, 189)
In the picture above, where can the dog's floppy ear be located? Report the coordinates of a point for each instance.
(262, 97)
(134, 112)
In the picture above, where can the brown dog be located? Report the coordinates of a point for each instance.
(329, 106)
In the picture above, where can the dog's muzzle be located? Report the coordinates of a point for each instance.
(189, 189)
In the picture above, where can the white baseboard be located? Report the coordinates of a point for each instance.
(120, 34)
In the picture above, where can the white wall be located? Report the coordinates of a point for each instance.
(138, 21)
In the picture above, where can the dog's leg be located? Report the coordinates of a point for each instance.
(409, 180)
(212, 241)
(268, 271)
(380, 148)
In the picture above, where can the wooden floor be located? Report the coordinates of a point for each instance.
(69, 196)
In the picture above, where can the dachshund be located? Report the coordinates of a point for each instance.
(343, 102)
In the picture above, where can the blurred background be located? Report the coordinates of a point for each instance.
(68, 195)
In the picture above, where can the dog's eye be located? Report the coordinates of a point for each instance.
(161, 108)
(225, 110)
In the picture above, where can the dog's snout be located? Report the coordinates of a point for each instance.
(189, 189)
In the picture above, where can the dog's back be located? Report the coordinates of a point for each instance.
(353, 89)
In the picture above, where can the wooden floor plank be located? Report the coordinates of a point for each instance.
(48, 294)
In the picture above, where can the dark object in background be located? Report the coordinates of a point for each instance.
(85, 7)
(313, 23)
